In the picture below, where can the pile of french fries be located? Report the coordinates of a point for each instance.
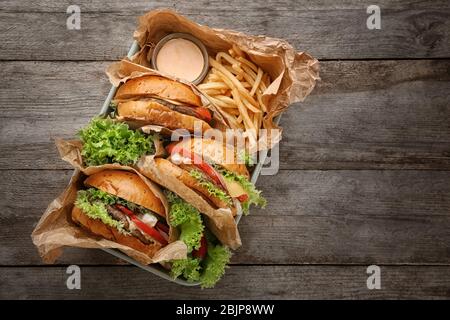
(235, 85)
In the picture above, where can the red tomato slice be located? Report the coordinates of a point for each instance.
(201, 252)
(152, 232)
(203, 113)
(243, 198)
(204, 166)
(124, 209)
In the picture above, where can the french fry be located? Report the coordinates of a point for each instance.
(259, 123)
(222, 104)
(237, 68)
(255, 122)
(213, 77)
(247, 121)
(233, 111)
(227, 57)
(231, 70)
(249, 106)
(212, 85)
(250, 72)
(236, 83)
(224, 79)
(248, 78)
(261, 103)
(227, 99)
(257, 82)
(248, 63)
(230, 118)
(232, 121)
(213, 92)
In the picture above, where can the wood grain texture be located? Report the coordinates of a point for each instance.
(314, 217)
(327, 31)
(321, 228)
(280, 282)
(145, 5)
(362, 115)
(385, 114)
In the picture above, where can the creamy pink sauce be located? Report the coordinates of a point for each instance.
(180, 58)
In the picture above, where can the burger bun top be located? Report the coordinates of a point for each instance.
(157, 86)
(128, 186)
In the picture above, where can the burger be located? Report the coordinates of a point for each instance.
(119, 206)
(214, 171)
(155, 100)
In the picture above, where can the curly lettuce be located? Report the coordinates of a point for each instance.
(189, 268)
(254, 195)
(214, 265)
(97, 195)
(108, 141)
(188, 219)
(93, 204)
(211, 187)
(208, 272)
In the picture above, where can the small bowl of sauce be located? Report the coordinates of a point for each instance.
(182, 56)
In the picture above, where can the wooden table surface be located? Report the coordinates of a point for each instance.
(365, 160)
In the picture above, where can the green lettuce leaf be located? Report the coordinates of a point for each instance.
(254, 195)
(215, 263)
(95, 208)
(189, 268)
(108, 141)
(208, 272)
(97, 195)
(211, 187)
(187, 218)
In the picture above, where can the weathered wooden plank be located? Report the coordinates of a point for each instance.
(326, 33)
(372, 115)
(363, 114)
(280, 282)
(326, 217)
(145, 5)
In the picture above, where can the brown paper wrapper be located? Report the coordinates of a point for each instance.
(294, 74)
(55, 229)
(219, 221)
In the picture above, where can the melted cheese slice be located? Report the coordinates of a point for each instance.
(234, 189)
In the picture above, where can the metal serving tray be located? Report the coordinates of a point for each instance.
(157, 269)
